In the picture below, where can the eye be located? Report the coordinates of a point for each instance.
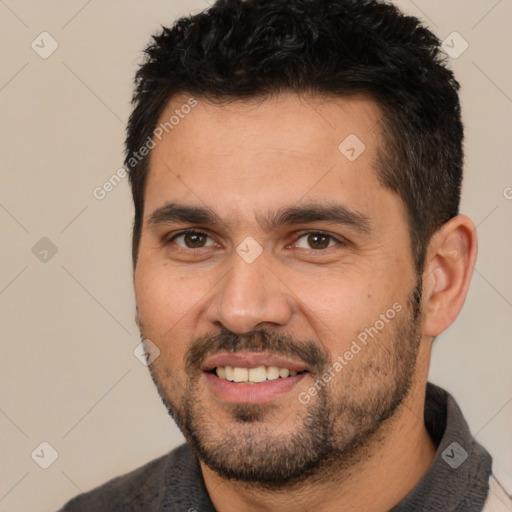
(192, 239)
(316, 241)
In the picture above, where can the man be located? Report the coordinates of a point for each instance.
(296, 170)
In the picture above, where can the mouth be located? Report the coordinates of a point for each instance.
(252, 377)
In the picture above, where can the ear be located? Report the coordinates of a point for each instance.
(451, 257)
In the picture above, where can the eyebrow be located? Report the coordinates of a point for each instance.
(174, 212)
(333, 213)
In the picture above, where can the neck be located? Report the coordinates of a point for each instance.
(387, 468)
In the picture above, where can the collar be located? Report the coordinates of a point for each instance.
(458, 479)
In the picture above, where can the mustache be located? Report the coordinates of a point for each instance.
(257, 341)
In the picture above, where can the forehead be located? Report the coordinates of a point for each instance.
(304, 123)
(267, 151)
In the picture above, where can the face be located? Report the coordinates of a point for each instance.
(275, 276)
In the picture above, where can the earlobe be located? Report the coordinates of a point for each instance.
(451, 257)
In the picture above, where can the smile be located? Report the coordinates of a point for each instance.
(253, 375)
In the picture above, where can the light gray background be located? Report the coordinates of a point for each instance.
(68, 374)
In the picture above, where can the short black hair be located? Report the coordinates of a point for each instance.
(242, 49)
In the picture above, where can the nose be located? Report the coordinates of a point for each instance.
(251, 296)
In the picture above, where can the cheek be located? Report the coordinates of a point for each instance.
(343, 304)
(162, 300)
(162, 309)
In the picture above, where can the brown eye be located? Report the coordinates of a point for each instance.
(192, 240)
(315, 241)
(318, 241)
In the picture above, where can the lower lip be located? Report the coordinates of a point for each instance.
(262, 392)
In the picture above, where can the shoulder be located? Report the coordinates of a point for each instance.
(140, 489)
(499, 499)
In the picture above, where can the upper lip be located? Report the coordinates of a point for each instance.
(251, 360)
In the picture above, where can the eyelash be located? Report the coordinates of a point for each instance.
(339, 241)
(187, 232)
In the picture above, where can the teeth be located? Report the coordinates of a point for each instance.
(272, 373)
(229, 373)
(240, 374)
(259, 374)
